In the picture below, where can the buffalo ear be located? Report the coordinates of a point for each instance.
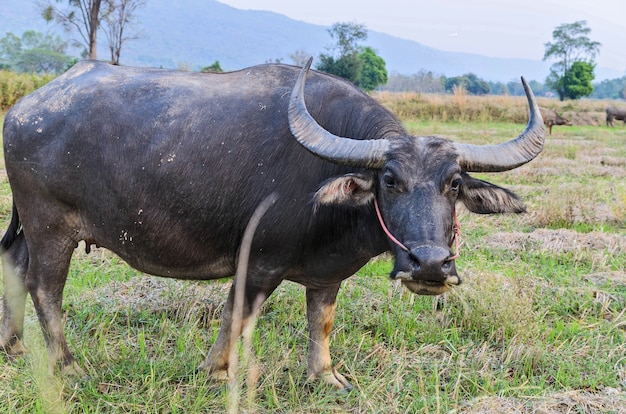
(350, 189)
(485, 198)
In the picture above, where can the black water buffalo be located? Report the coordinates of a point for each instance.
(551, 118)
(165, 168)
(613, 112)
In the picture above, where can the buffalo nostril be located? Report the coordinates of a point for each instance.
(447, 265)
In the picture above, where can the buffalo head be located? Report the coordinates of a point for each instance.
(414, 183)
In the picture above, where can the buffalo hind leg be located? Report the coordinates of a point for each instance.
(320, 309)
(14, 264)
(217, 361)
(45, 279)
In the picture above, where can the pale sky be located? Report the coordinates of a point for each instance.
(505, 28)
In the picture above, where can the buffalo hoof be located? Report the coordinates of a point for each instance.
(333, 378)
(13, 348)
(73, 370)
(220, 375)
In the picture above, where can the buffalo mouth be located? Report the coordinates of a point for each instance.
(433, 288)
(426, 270)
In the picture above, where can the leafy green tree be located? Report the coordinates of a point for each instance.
(34, 53)
(349, 60)
(470, 82)
(347, 67)
(577, 80)
(213, 68)
(570, 44)
(373, 72)
(343, 59)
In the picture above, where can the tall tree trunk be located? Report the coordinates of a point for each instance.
(93, 28)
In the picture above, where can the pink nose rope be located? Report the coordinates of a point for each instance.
(455, 240)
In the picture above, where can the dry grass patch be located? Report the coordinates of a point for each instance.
(607, 401)
(595, 244)
(461, 107)
(196, 302)
(567, 204)
(457, 107)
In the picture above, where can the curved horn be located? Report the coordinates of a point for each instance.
(347, 151)
(511, 154)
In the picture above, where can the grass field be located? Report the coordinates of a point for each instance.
(539, 325)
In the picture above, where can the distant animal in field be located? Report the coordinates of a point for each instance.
(613, 112)
(551, 117)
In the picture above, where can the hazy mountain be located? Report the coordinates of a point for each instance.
(196, 33)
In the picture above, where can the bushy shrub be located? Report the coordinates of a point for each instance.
(15, 85)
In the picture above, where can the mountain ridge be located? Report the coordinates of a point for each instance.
(196, 33)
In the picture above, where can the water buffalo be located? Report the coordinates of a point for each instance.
(613, 112)
(550, 118)
(165, 168)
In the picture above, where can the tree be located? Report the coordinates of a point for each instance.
(214, 68)
(373, 72)
(344, 59)
(610, 89)
(470, 82)
(118, 16)
(571, 44)
(299, 57)
(82, 16)
(577, 80)
(350, 61)
(10, 48)
(347, 67)
(34, 53)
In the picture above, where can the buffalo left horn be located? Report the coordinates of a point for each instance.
(347, 151)
(510, 154)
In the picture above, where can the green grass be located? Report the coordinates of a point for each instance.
(537, 326)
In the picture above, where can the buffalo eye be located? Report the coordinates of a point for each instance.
(389, 180)
(455, 185)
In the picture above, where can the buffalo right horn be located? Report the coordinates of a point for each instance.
(510, 154)
(346, 151)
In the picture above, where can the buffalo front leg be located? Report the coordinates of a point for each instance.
(320, 309)
(217, 361)
(14, 262)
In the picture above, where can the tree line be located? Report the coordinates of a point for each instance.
(428, 82)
